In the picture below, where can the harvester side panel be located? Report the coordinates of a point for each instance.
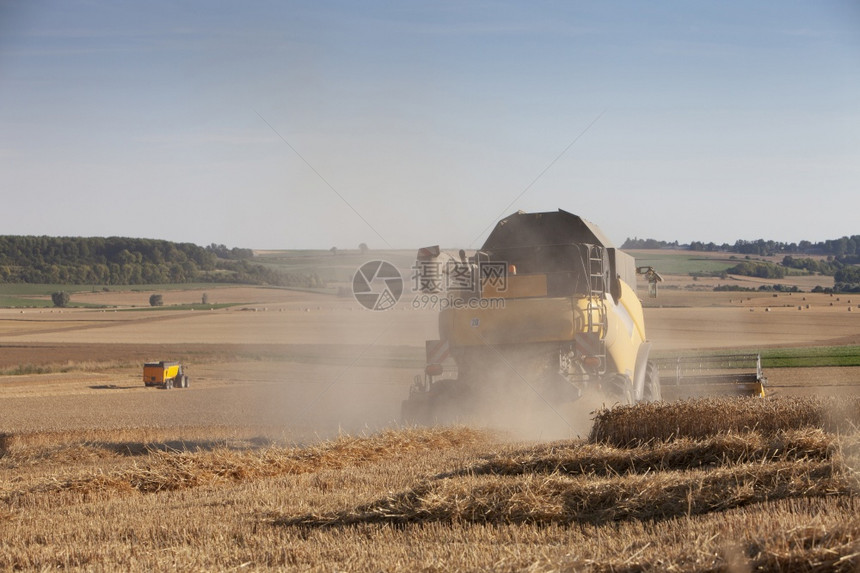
(624, 332)
(633, 306)
(624, 266)
(521, 321)
(517, 286)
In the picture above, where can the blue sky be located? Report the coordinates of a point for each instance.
(314, 124)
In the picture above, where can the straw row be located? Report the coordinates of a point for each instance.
(563, 499)
(167, 470)
(629, 426)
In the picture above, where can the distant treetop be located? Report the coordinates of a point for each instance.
(635, 243)
(235, 253)
(842, 247)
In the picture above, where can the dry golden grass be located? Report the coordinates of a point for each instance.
(170, 469)
(780, 497)
(30, 447)
(594, 483)
(539, 499)
(67, 366)
(164, 471)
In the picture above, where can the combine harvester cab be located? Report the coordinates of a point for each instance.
(552, 314)
(165, 375)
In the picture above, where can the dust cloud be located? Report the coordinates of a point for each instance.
(338, 368)
(535, 420)
(348, 370)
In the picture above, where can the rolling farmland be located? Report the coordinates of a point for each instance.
(285, 452)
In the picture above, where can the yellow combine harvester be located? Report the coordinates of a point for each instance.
(165, 375)
(552, 315)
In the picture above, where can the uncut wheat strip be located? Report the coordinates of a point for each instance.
(167, 471)
(681, 454)
(560, 499)
(628, 426)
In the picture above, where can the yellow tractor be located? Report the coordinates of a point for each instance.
(165, 375)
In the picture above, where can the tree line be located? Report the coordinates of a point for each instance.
(842, 257)
(842, 247)
(844, 274)
(128, 261)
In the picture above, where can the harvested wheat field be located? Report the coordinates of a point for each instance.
(286, 453)
(743, 485)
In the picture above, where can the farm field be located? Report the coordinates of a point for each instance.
(285, 452)
(703, 486)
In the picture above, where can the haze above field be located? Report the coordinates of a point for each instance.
(332, 123)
